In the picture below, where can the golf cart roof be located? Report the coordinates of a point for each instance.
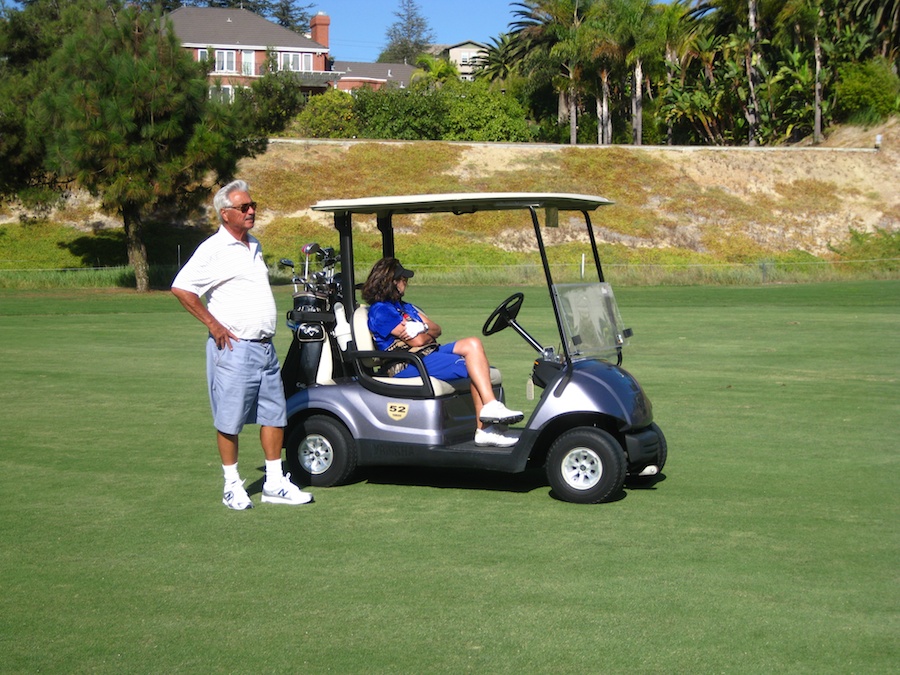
(461, 202)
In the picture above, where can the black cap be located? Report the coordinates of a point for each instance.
(402, 273)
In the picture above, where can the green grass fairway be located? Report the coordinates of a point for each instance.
(771, 545)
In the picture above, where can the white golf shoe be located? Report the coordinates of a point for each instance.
(497, 413)
(284, 492)
(236, 497)
(495, 435)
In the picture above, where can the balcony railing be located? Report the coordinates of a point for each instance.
(305, 76)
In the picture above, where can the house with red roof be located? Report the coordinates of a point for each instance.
(375, 75)
(238, 43)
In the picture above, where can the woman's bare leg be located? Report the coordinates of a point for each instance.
(472, 350)
(477, 364)
(479, 404)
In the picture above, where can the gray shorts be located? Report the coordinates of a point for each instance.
(244, 386)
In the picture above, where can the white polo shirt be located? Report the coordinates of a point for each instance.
(235, 281)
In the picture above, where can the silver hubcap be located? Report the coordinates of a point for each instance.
(316, 454)
(582, 468)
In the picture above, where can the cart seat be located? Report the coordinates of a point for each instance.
(364, 342)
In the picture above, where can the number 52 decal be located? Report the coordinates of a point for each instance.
(397, 411)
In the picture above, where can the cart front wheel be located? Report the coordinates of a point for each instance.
(586, 466)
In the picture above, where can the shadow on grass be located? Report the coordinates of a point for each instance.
(168, 246)
(458, 479)
(465, 479)
(644, 482)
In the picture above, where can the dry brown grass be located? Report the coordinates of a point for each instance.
(673, 203)
(735, 203)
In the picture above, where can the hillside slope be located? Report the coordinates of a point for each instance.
(695, 199)
(710, 203)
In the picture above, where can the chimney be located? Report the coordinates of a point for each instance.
(318, 28)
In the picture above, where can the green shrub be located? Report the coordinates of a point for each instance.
(880, 248)
(866, 93)
(454, 111)
(329, 115)
(477, 113)
(272, 101)
(410, 114)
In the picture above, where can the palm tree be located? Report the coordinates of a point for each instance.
(636, 29)
(674, 31)
(740, 21)
(497, 63)
(434, 70)
(802, 18)
(696, 97)
(885, 15)
(605, 55)
(555, 30)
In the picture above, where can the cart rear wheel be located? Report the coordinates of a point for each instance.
(321, 452)
(586, 465)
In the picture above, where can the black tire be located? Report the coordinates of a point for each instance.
(663, 453)
(320, 452)
(586, 466)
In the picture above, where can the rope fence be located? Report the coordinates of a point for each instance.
(752, 273)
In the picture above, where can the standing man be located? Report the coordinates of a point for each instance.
(241, 365)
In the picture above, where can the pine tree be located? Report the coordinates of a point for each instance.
(408, 37)
(125, 114)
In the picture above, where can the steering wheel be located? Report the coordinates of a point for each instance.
(506, 313)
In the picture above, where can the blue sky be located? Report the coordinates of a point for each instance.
(358, 27)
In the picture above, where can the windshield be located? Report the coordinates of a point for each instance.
(591, 321)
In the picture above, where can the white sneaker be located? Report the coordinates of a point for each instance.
(236, 497)
(496, 436)
(284, 492)
(497, 413)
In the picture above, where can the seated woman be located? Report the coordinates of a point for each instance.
(399, 325)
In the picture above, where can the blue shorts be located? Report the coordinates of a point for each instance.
(244, 386)
(442, 364)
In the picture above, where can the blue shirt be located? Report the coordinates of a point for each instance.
(386, 316)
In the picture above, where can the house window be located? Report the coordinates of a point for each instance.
(290, 61)
(202, 54)
(247, 63)
(223, 93)
(225, 61)
(296, 62)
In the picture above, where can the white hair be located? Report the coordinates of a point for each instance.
(222, 198)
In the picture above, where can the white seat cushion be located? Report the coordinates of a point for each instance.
(324, 374)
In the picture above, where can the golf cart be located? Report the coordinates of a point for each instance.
(591, 428)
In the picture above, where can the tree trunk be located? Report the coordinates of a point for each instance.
(817, 119)
(562, 108)
(607, 122)
(604, 121)
(752, 110)
(637, 104)
(671, 60)
(137, 250)
(573, 118)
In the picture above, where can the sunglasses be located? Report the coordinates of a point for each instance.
(243, 208)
